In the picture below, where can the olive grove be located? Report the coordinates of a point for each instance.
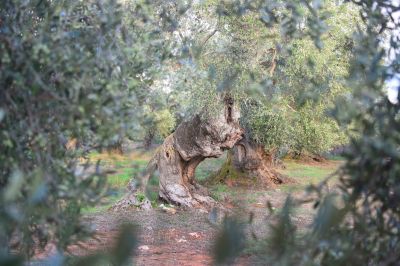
(262, 79)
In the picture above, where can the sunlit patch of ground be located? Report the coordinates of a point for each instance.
(305, 174)
(115, 157)
(127, 166)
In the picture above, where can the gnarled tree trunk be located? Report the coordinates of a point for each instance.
(251, 158)
(192, 142)
(248, 159)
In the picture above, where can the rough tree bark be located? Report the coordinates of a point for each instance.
(248, 159)
(192, 142)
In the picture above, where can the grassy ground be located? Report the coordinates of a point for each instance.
(208, 167)
(125, 167)
(308, 174)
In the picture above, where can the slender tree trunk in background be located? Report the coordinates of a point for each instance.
(115, 148)
(192, 142)
(148, 139)
(250, 160)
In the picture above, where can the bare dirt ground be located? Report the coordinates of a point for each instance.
(187, 237)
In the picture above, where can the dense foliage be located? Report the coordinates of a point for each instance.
(68, 71)
(284, 83)
(357, 222)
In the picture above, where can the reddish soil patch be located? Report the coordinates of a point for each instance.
(184, 238)
(157, 247)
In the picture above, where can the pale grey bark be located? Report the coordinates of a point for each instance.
(192, 142)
